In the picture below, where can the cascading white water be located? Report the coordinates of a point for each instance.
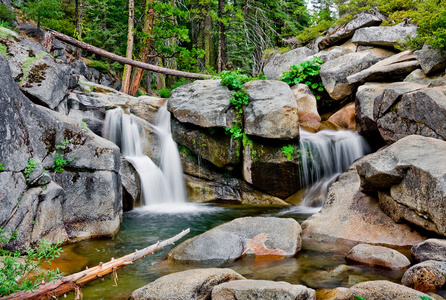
(324, 155)
(158, 185)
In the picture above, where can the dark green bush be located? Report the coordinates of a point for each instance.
(7, 16)
(99, 65)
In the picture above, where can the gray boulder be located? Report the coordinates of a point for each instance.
(377, 256)
(131, 185)
(30, 30)
(409, 108)
(346, 31)
(280, 63)
(378, 290)
(419, 77)
(431, 60)
(396, 173)
(204, 103)
(431, 249)
(427, 276)
(272, 110)
(329, 54)
(258, 236)
(261, 290)
(32, 131)
(350, 217)
(195, 284)
(364, 103)
(306, 106)
(383, 36)
(334, 73)
(394, 68)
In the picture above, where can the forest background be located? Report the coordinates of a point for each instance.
(209, 36)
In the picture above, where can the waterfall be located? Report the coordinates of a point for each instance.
(323, 156)
(158, 185)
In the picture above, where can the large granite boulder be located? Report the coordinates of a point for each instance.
(345, 117)
(203, 102)
(280, 63)
(409, 108)
(261, 289)
(334, 73)
(266, 167)
(307, 113)
(195, 284)
(427, 276)
(346, 31)
(85, 198)
(272, 110)
(379, 290)
(384, 36)
(250, 236)
(377, 256)
(364, 103)
(431, 60)
(394, 68)
(419, 77)
(431, 249)
(408, 176)
(350, 217)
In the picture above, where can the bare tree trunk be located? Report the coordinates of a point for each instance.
(123, 60)
(220, 37)
(74, 281)
(148, 29)
(79, 14)
(208, 39)
(128, 68)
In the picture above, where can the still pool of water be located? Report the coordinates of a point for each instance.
(145, 226)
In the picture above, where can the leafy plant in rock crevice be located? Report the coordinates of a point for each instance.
(2, 168)
(32, 163)
(288, 151)
(306, 72)
(59, 160)
(21, 274)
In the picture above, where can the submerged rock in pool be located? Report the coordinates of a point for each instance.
(258, 236)
(378, 256)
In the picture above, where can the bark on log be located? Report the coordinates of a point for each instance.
(74, 281)
(124, 60)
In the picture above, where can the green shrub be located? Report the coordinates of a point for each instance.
(7, 16)
(59, 161)
(312, 32)
(2, 168)
(234, 80)
(431, 20)
(306, 72)
(32, 163)
(164, 92)
(19, 275)
(4, 51)
(288, 151)
(99, 65)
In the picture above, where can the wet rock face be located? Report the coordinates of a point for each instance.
(258, 236)
(427, 276)
(261, 289)
(408, 176)
(190, 284)
(32, 131)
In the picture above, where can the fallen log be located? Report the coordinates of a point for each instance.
(123, 60)
(75, 281)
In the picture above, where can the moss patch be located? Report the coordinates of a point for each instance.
(35, 71)
(4, 51)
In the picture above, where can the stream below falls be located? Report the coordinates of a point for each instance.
(144, 226)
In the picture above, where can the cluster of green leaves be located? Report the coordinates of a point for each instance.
(99, 65)
(42, 11)
(165, 92)
(7, 16)
(288, 151)
(19, 272)
(59, 160)
(2, 168)
(32, 163)
(84, 125)
(4, 51)
(306, 72)
(234, 80)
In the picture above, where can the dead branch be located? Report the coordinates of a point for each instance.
(76, 280)
(123, 60)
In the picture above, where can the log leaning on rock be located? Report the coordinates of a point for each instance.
(124, 60)
(76, 280)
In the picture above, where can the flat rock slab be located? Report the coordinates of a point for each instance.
(427, 276)
(378, 256)
(394, 68)
(431, 249)
(195, 284)
(272, 110)
(431, 60)
(334, 73)
(261, 290)
(203, 102)
(347, 30)
(280, 63)
(379, 290)
(409, 177)
(384, 36)
(350, 217)
(258, 236)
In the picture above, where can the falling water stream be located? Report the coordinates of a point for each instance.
(324, 156)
